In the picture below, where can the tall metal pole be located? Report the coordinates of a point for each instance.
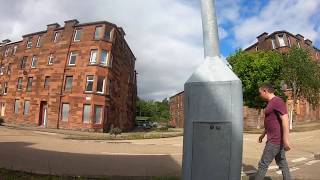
(210, 28)
(213, 109)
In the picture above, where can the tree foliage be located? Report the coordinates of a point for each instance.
(158, 111)
(302, 75)
(254, 68)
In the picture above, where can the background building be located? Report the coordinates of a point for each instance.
(80, 76)
(176, 110)
(281, 41)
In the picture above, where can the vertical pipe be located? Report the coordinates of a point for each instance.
(210, 29)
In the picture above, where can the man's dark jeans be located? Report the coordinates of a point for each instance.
(273, 151)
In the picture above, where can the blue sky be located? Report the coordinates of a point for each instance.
(166, 35)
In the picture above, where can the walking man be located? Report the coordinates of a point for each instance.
(276, 125)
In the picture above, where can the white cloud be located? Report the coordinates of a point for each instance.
(294, 16)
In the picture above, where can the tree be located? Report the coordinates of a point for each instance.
(255, 68)
(159, 111)
(301, 74)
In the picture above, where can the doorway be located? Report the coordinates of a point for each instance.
(43, 114)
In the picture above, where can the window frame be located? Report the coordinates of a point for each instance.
(103, 85)
(76, 32)
(50, 59)
(95, 113)
(100, 33)
(38, 41)
(96, 58)
(62, 114)
(56, 36)
(29, 43)
(15, 48)
(20, 83)
(106, 64)
(16, 106)
(88, 116)
(5, 88)
(66, 83)
(72, 54)
(34, 62)
(89, 81)
(273, 43)
(24, 108)
(46, 82)
(29, 84)
(281, 40)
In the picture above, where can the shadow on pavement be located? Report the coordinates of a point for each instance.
(21, 156)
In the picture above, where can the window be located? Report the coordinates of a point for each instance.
(77, 35)
(257, 48)
(317, 55)
(39, 41)
(289, 41)
(29, 84)
(299, 45)
(65, 112)
(101, 84)
(6, 53)
(46, 82)
(15, 49)
(9, 69)
(26, 108)
(73, 58)
(89, 84)
(16, 106)
(23, 62)
(93, 56)
(19, 86)
(56, 37)
(98, 32)
(1, 70)
(29, 43)
(68, 85)
(50, 59)
(281, 40)
(34, 62)
(273, 43)
(86, 113)
(5, 88)
(97, 114)
(108, 35)
(104, 58)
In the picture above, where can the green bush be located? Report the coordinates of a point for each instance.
(115, 131)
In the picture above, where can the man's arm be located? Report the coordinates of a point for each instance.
(285, 129)
(262, 136)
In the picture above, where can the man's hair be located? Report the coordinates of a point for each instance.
(267, 86)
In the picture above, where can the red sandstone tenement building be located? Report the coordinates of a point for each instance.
(176, 110)
(80, 77)
(281, 41)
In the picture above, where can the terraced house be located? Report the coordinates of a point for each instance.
(80, 77)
